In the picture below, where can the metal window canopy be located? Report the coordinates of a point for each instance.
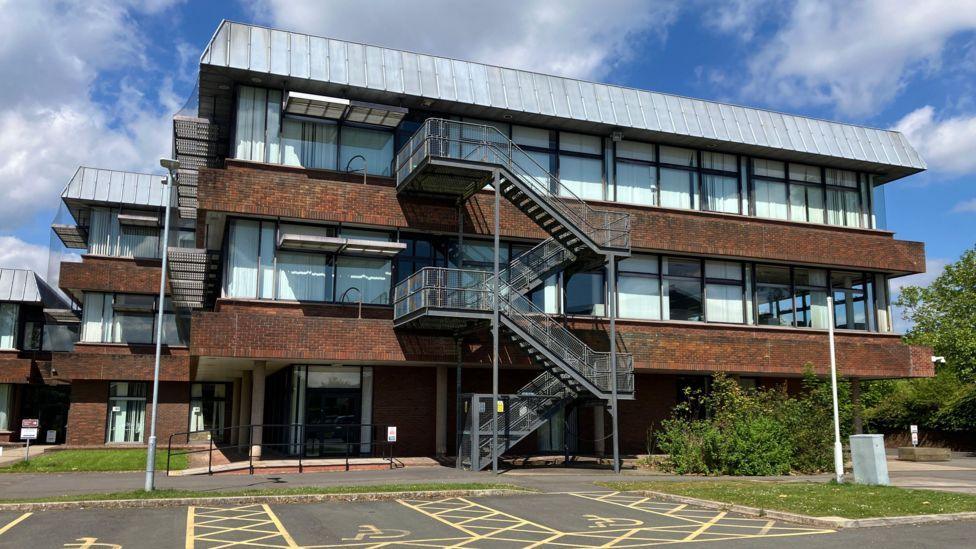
(139, 218)
(62, 316)
(323, 106)
(254, 55)
(307, 241)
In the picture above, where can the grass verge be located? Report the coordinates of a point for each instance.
(852, 501)
(72, 461)
(296, 491)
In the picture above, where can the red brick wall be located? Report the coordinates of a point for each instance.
(255, 189)
(88, 413)
(118, 361)
(267, 330)
(405, 397)
(13, 368)
(111, 274)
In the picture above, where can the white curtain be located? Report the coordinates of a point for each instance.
(309, 144)
(138, 241)
(770, 199)
(724, 303)
(267, 258)
(371, 276)
(6, 394)
(677, 187)
(582, 176)
(636, 184)
(303, 277)
(8, 325)
(251, 128)
(103, 232)
(97, 318)
(375, 145)
(242, 259)
(721, 193)
(639, 297)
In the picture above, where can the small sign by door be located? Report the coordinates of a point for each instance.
(914, 429)
(391, 434)
(50, 436)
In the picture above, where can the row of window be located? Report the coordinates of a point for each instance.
(130, 318)
(25, 328)
(588, 166)
(649, 286)
(115, 236)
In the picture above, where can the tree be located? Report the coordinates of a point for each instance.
(944, 315)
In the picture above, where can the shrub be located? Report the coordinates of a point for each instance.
(736, 431)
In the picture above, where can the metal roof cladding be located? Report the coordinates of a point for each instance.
(349, 66)
(23, 286)
(115, 187)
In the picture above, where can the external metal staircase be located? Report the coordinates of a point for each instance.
(447, 157)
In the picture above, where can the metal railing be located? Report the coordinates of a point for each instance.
(286, 441)
(462, 289)
(451, 139)
(530, 268)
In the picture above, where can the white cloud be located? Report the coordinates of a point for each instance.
(740, 17)
(965, 206)
(17, 254)
(577, 38)
(51, 56)
(854, 57)
(946, 143)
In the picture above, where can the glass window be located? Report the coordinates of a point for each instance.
(376, 146)
(720, 162)
(242, 259)
(126, 411)
(6, 405)
(370, 276)
(8, 325)
(720, 193)
(843, 208)
(33, 337)
(682, 289)
(804, 173)
(582, 176)
(811, 298)
(304, 277)
(639, 288)
(850, 300)
(579, 143)
(309, 144)
(585, 294)
(138, 241)
(636, 183)
(107, 237)
(208, 404)
(635, 150)
(770, 199)
(679, 188)
(806, 203)
(254, 105)
(724, 291)
(678, 157)
(421, 251)
(774, 301)
(768, 168)
(531, 137)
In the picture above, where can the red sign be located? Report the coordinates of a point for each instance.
(29, 423)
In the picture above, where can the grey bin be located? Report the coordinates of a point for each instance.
(870, 462)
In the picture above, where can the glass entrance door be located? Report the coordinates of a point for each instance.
(332, 416)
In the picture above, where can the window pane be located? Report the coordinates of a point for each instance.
(267, 253)
(536, 165)
(769, 274)
(133, 327)
(682, 267)
(774, 305)
(530, 137)
(250, 130)
(683, 299)
(720, 193)
(6, 405)
(585, 294)
(636, 184)
(370, 275)
(242, 259)
(726, 270)
(770, 199)
(811, 308)
(137, 241)
(842, 178)
(720, 161)
(724, 303)
(768, 168)
(582, 176)
(8, 325)
(678, 188)
(802, 172)
(639, 297)
(678, 157)
(639, 264)
(798, 203)
(576, 142)
(375, 145)
(815, 204)
(365, 234)
(810, 277)
(309, 144)
(635, 150)
(304, 277)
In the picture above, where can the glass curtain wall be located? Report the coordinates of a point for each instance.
(9, 314)
(581, 165)
(129, 318)
(678, 177)
(106, 236)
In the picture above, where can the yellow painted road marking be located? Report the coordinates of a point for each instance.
(14, 522)
(705, 526)
(765, 529)
(256, 522)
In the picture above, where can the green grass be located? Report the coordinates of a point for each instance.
(70, 461)
(296, 491)
(852, 501)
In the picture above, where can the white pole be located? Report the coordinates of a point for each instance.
(151, 451)
(838, 449)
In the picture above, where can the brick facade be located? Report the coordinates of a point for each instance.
(254, 189)
(88, 414)
(111, 274)
(14, 368)
(108, 361)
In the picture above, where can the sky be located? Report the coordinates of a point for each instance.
(95, 82)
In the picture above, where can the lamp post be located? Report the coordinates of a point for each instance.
(171, 166)
(838, 448)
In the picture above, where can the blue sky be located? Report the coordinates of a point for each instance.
(96, 82)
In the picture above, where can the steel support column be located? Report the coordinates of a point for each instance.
(613, 363)
(495, 321)
(458, 426)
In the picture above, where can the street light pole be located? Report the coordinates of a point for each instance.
(171, 166)
(838, 448)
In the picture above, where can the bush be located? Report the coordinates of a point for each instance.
(754, 432)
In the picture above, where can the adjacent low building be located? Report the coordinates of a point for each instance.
(332, 253)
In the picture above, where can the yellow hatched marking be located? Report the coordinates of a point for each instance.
(705, 526)
(14, 522)
(256, 524)
(765, 529)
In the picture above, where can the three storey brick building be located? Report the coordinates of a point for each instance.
(332, 253)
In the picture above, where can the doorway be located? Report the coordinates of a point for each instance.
(49, 404)
(330, 414)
